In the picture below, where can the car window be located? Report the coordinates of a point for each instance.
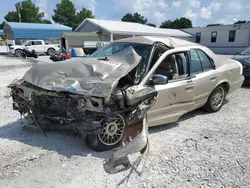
(29, 43)
(38, 42)
(157, 54)
(182, 63)
(174, 66)
(205, 61)
(141, 49)
(167, 67)
(195, 64)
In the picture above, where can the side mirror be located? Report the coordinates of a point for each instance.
(159, 79)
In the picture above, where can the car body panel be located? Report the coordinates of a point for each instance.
(244, 59)
(89, 77)
(174, 100)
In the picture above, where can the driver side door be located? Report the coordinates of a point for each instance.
(177, 96)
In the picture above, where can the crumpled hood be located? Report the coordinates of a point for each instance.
(86, 76)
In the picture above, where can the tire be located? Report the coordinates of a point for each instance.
(112, 129)
(18, 52)
(51, 51)
(216, 99)
(35, 56)
(24, 55)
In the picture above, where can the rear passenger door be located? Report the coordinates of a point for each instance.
(204, 75)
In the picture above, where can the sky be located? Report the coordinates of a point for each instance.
(201, 12)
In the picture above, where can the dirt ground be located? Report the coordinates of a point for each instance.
(200, 150)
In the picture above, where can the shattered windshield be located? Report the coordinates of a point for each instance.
(142, 50)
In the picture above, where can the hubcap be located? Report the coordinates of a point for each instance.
(112, 130)
(51, 52)
(18, 53)
(218, 97)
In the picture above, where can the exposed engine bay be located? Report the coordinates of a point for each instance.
(94, 99)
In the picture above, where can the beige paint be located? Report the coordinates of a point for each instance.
(177, 98)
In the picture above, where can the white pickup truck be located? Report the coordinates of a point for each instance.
(38, 45)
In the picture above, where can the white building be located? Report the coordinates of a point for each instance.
(113, 30)
(225, 39)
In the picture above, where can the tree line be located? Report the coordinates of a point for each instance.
(65, 13)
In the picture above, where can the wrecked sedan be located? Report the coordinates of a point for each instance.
(105, 95)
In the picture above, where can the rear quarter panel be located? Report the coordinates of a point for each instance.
(230, 72)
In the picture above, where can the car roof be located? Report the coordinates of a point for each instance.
(172, 42)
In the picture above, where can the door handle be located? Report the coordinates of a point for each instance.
(213, 77)
(189, 87)
(189, 81)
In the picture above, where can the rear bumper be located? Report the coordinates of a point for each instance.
(236, 85)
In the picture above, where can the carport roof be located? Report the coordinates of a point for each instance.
(130, 28)
(34, 30)
(17, 25)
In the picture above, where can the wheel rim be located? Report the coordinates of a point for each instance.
(218, 98)
(112, 130)
(51, 52)
(18, 52)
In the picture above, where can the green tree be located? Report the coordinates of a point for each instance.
(177, 23)
(65, 13)
(46, 21)
(136, 17)
(150, 24)
(84, 13)
(29, 12)
(2, 25)
(211, 25)
(240, 22)
(167, 24)
(183, 23)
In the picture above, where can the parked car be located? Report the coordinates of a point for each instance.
(244, 59)
(108, 92)
(38, 45)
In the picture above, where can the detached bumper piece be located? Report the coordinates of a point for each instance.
(120, 161)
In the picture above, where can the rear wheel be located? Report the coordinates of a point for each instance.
(51, 51)
(112, 129)
(216, 99)
(35, 55)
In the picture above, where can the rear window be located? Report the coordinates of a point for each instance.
(38, 43)
(195, 66)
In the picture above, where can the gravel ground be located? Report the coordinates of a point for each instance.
(200, 150)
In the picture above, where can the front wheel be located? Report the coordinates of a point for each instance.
(216, 99)
(24, 55)
(18, 52)
(112, 130)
